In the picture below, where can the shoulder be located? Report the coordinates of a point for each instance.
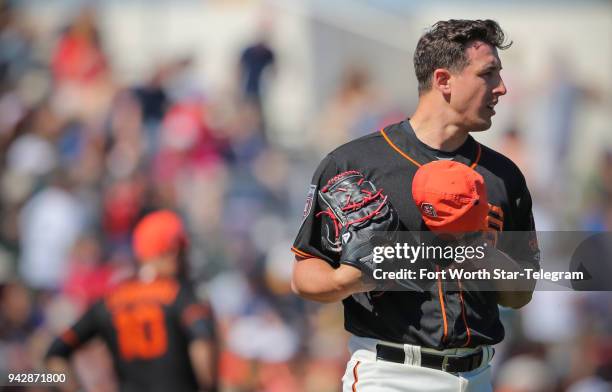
(502, 167)
(187, 294)
(96, 313)
(368, 151)
(186, 289)
(357, 147)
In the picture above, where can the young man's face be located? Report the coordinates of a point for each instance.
(476, 89)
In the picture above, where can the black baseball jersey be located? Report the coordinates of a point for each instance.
(441, 317)
(147, 327)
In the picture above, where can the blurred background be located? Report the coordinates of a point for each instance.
(221, 109)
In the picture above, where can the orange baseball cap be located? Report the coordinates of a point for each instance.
(158, 233)
(451, 197)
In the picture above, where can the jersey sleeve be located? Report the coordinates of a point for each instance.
(195, 316)
(83, 330)
(313, 232)
(522, 242)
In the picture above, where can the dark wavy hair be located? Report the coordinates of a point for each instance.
(443, 46)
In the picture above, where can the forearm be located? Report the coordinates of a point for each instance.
(316, 280)
(61, 365)
(513, 293)
(204, 358)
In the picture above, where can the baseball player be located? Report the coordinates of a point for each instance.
(438, 337)
(160, 336)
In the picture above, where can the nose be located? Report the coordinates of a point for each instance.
(500, 89)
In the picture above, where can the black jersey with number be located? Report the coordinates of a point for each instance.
(147, 327)
(441, 317)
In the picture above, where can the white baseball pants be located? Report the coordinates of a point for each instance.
(364, 373)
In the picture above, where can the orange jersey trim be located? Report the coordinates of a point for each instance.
(496, 222)
(193, 313)
(478, 154)
(356, 378)
(302, 253)
(493, 209)
(399, 151)
(442, 306)
(70, 338)
(496, 210)
(408, 157)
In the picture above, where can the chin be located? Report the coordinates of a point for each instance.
(481, 125)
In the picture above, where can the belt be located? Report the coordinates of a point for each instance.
(447, 363)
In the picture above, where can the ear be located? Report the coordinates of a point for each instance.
(441, 80)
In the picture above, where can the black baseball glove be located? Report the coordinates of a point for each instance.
(360, 219)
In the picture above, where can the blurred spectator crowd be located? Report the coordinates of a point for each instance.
(83, 157)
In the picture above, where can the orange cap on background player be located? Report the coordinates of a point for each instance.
(158, 233)
(451, 197)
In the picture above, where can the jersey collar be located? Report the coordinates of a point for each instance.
(403, 140)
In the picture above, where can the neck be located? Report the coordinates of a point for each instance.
(437, 129)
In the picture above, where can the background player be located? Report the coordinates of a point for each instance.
(160, 335)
